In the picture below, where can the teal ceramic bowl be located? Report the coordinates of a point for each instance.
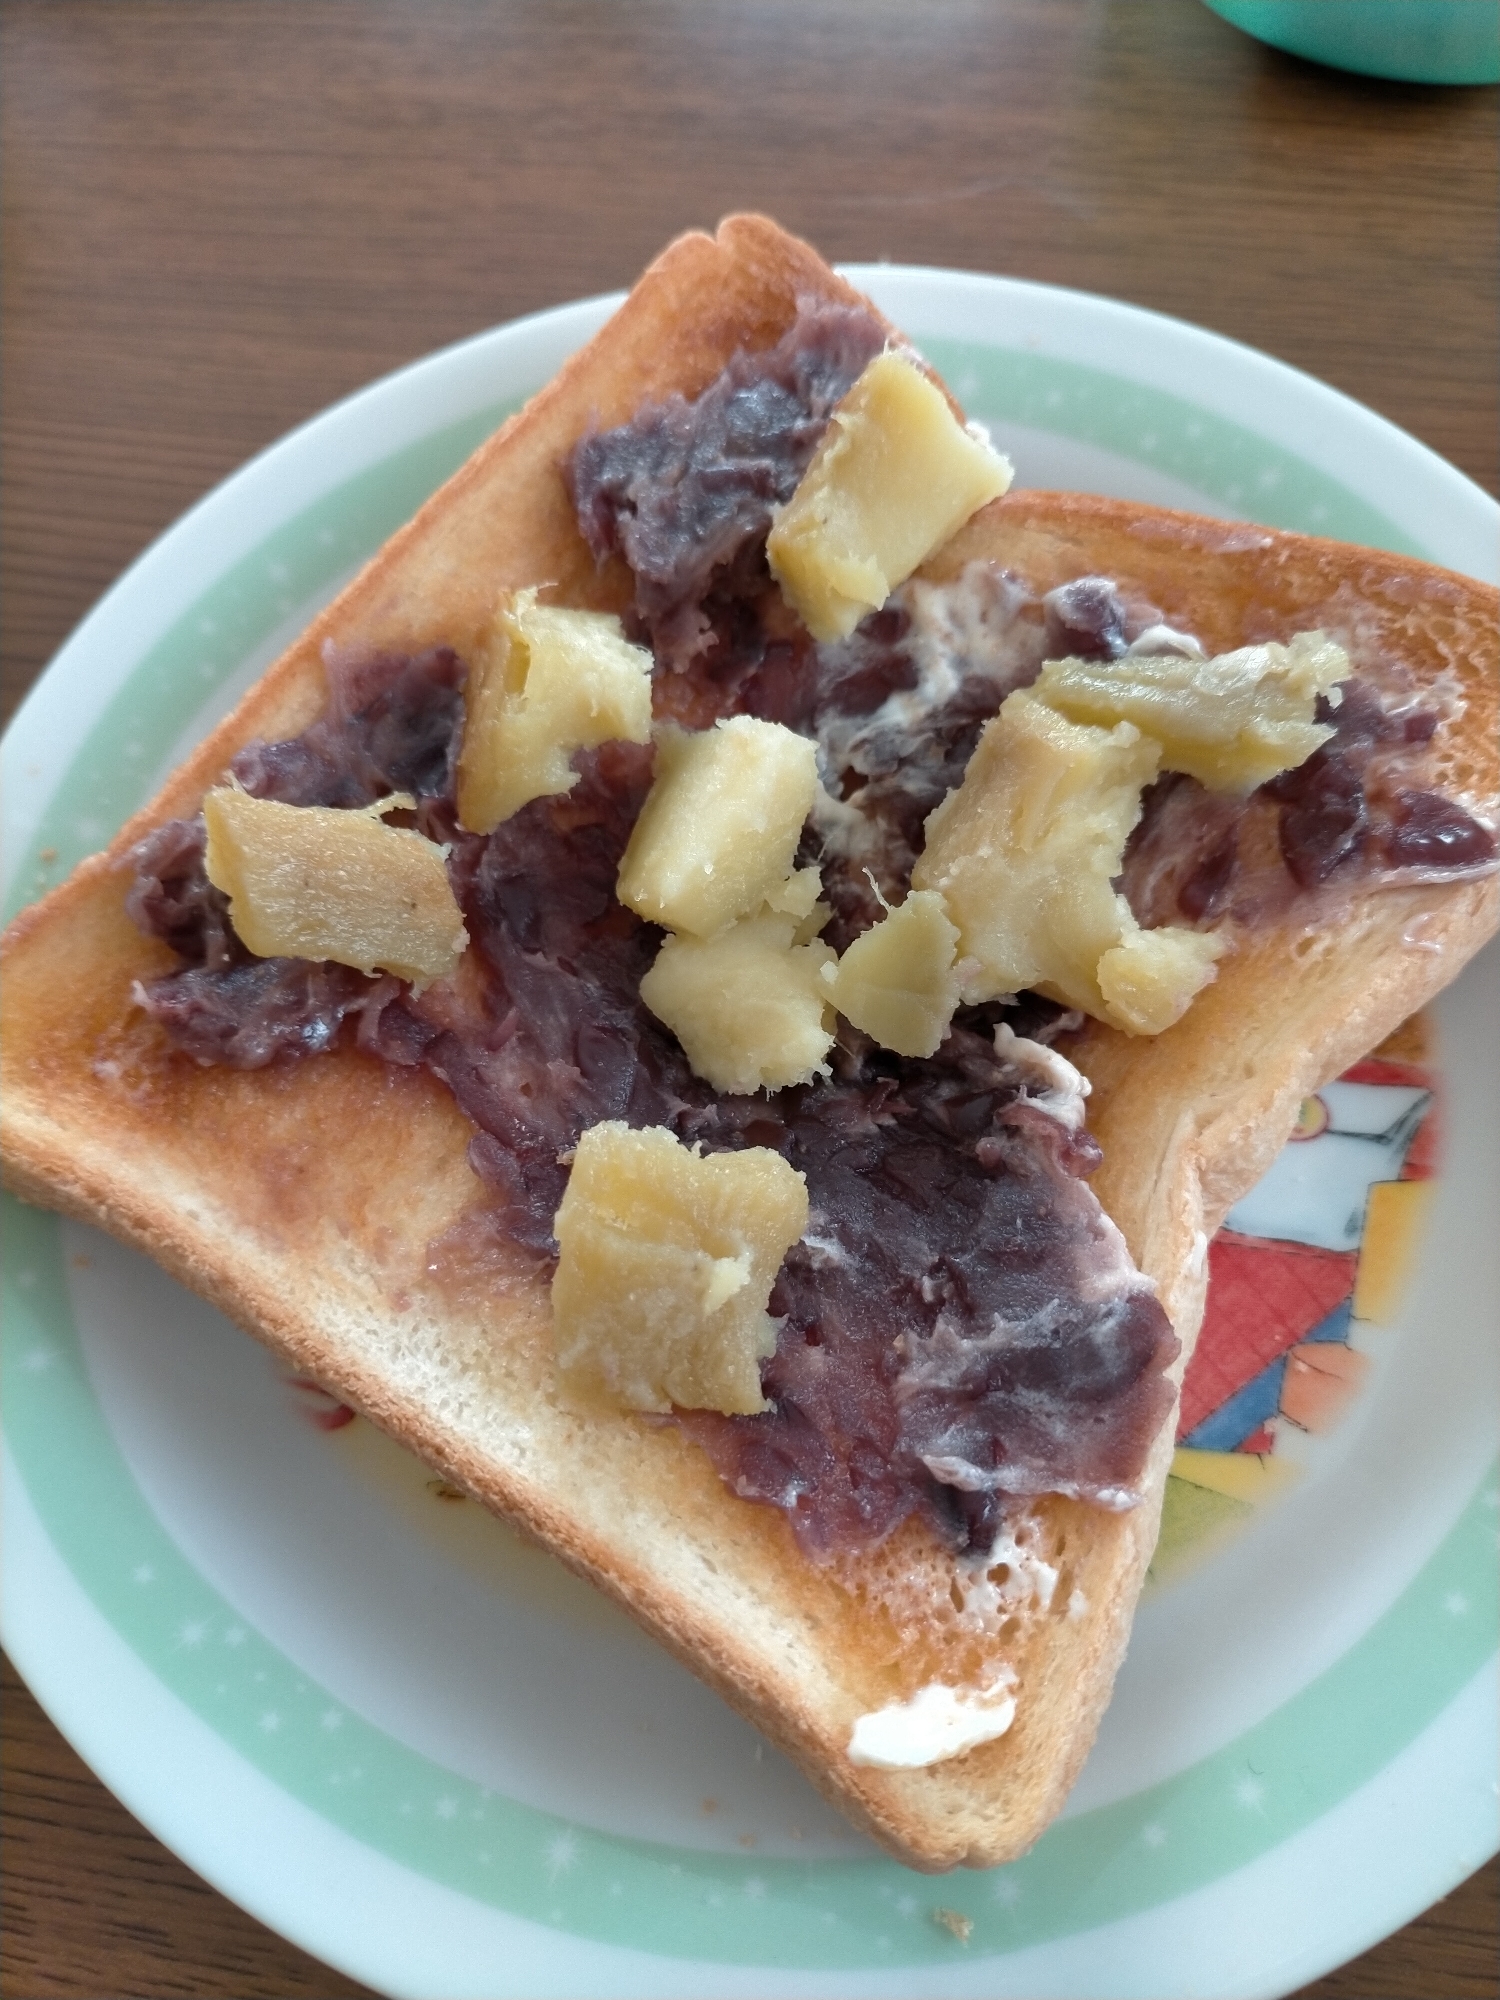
(1414, 41)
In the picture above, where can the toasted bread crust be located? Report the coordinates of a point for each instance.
(247, 1186)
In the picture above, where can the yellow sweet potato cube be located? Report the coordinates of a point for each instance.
(667, 1261)
(747, 1006)
(1148, 978)
(895, 475)
(720, 825)
(550, 681)
(896, 981)
(797, 896)
(319, 882)
(1231, 722)
(1024, 854)
(1024, 851)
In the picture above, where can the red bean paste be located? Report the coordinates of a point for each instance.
(961, 1324)
(684, 493)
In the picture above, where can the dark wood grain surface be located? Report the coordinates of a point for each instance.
(218, 219)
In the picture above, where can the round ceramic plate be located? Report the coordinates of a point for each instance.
(371, 1716)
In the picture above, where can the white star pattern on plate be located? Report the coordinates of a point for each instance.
(1455, 1604)
(193, 1633)
(755, 1888)
(331, 1719)
(1154, 1834)
(39, 1360)
(1249, 1793)
(562, 1854)
(143, 1573)
(446, 1809)
(270, 1722)
(1006, 1892)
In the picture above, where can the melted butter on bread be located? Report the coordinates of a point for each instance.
(937, 1723)
(667, 1258)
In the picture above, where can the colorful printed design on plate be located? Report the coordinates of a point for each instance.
(1316, 1254)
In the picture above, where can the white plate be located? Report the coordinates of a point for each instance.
(429, 1757)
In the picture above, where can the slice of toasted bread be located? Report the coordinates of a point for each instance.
(303, 1198)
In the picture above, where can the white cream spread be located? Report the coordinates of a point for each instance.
(1027, 1577)
(1063, 1088)
(1159, 639)
(960, 630)
(1011, 1577)
(968, 626)
(937, 1723)
(826, 1250)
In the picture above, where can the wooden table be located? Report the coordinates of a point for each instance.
(218, 219)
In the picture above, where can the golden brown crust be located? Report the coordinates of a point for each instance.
(246, 1187)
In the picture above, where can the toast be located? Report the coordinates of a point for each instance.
(305, 1198)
